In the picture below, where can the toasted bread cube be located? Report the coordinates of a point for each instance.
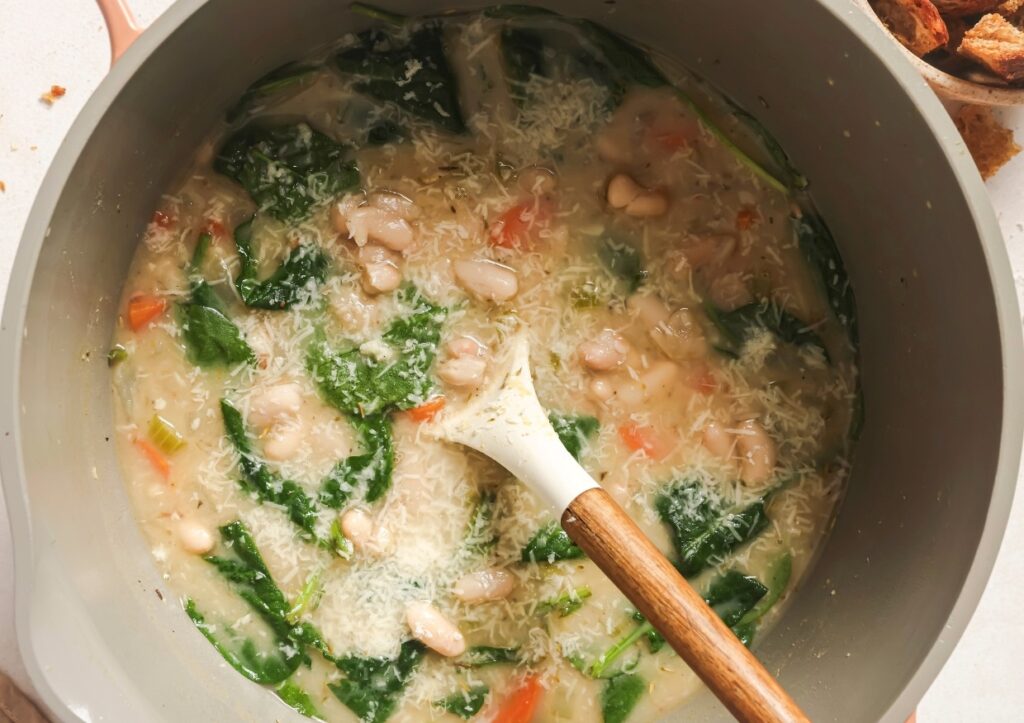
(915, 23)
(991, 145)
(962, 8)
(998, 45)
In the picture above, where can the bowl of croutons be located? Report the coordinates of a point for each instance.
(967, 50)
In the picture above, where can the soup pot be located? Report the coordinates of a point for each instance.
(916, 535)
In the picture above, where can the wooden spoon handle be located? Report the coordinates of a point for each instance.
(611, 539)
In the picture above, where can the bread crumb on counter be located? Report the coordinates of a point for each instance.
(55, 92)
(3, 187)
(991, 145)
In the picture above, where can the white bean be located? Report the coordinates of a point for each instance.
(601, 389)
(283, 441)
(650, 310)
(628, 195)
(369, 223)
(365, 536)
(465, 346)
(340, 211)
(604, 352)
(757, 453)
(729, 291)
(434, 630)
(717, 440)
(484, 586)
(194, 537)
(463, 371)
(487, 280)
(380, 272)
(648, 204)
(274, 404)
(680, 336)
(394, 202)
(659, 378)
(622, 189)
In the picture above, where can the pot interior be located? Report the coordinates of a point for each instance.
(907, 533)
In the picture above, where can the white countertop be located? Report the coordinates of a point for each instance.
(64, 42)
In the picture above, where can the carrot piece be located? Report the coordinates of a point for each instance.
(155, 457)
(214, 227)
(639, 437)
(426, 411)
(520, 705)
(746, 218)
(515, 227)
(162, 220)
(143, 309)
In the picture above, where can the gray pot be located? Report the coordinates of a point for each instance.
(941, 343)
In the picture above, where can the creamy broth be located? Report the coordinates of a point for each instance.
(697, 353)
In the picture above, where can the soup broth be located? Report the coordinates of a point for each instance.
(347, 259)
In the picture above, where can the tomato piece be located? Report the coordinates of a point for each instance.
(517, 227)
(746, 218)
(162, 220)
(521, 704)
(155, 457)
(428, 410)
(143, 309)
(646, 439)
(215, 228)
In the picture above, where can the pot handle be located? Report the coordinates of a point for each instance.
(121, 26)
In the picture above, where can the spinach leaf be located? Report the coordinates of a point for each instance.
(632, 65)
(786, 171)
(242, 654)
(360, 385)
(481, 656)
(371, 469)
(480, 537)
(287, 169)
(465, 704)
(523, 52)
(298, 699)
(304, 267)
(258, 479)
(620, 695)
(566, 603)
(655, 640)
(778, 579)
(408, 69)
(211, 338)
(372, 686)
(820, 250)
(550, 544)
(383, 133)
(574, 431)
(733, 595)
(703, 532)
(623, 260)
(737, 326)
(277, 80)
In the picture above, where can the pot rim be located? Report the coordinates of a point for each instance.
(863, 27)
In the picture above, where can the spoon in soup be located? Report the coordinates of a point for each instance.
(506, 422)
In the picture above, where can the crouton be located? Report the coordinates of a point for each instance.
(991, 145)
(962, 8)
(998, 45)
(1012, 10)
(915, 23)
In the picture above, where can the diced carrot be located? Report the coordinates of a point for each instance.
(517, 227)
(162, 220)
(155, 457)
(143, 309)
(520, 705)
(746, 218)
(426, 411)
(706, 383)
(646, 439)
(215, 228)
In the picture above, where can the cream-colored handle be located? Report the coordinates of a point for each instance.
(121, 26)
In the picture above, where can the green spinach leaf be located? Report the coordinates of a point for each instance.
(304, 268)
(733, 595)
(480, 536)
(481, 656)
(566, 603)
(298, 699)
(703, 531)
(465, 704)
(372, 686)
(550, 544)
(370, 470)
(620, 695)
(523, 52)
(361, 385)
(286, 76)
(779, 573)
(820, 250)
(258, 479)
(287, 169)
(624, 261)
(737, 326)
(574, 431)
(384, 133)
(409, 69)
